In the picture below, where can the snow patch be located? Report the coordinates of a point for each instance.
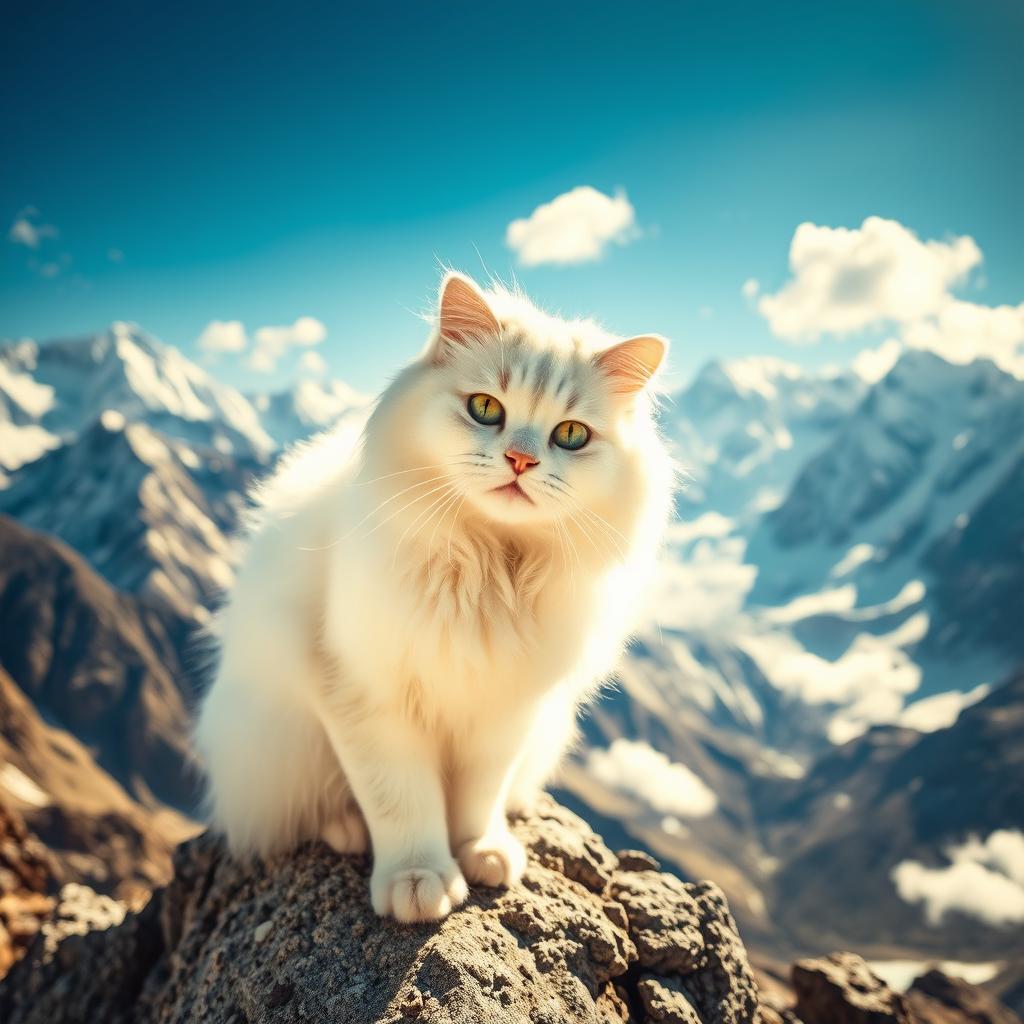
(21, 787)
(941, 710)
(901, 974)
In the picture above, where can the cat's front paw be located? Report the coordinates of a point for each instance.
(412, 893)
(496, 860)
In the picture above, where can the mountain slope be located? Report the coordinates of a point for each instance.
(91, 661)
(845, 833)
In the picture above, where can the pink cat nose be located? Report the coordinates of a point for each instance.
(520, 461)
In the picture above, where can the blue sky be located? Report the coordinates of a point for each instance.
(269, 163)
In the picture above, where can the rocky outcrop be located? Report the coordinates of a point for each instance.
(94, 832)
(26, 882)
(935, 998)
(586, 937)
(842, 989)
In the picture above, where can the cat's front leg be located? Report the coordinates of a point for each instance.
(487, 851)
(394, 772)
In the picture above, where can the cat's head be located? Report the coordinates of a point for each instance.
(538, 420)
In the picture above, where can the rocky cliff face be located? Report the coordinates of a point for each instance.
(588, 937)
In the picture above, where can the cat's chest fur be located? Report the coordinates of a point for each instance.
(481, 618)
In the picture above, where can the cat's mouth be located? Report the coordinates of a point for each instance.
(514, 491)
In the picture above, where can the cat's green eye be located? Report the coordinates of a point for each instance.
(571, 435)
(485, 410)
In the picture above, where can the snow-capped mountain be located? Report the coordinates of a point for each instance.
(929, 440)
(882, 585)
(847, 554)
(311, 405)
(139, 459)
(743, 428)
(50, 392)
(152, 514)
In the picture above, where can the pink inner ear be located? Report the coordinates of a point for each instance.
(631, 364)
(465, 316)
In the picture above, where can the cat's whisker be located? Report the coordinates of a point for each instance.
(431, 554)
(562, 546)
(405, 507)
(451, 530)
(414, 469)
(387, 501)
(438, 517)
(437, 525)
(425, 512)
(602, 524)
(609, 529)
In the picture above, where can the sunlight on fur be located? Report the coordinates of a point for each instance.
(418, 618)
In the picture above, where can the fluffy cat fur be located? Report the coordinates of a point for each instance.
(409, 638)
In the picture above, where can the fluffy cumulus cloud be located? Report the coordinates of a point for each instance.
(220, 336)
(642, 772)
(28, 230)
(963, 331)
(984, 880)
(575, 227)
(314, 363)
(270, 343)
(845, 280)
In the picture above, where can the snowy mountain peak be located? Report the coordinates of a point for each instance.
(126, 370)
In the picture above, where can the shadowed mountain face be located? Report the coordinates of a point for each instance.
(886, 825)
(102, 665)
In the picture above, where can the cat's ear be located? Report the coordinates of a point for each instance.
(631, 364)
(463, 318)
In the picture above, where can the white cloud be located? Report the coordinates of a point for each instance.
(222, 336)
(262, 362)
(307, 330)
(28, 230)
(313, 362)
(115, 255)
(984, 880)
(272, 342)
(641, 771)
(750, 287)
(852, 279)
(963, 331)
(872, 364)
(847, 279)
(575, 227)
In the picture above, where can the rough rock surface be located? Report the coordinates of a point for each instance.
(582, 939)
(26, 881)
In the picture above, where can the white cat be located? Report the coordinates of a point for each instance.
(417, 620)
